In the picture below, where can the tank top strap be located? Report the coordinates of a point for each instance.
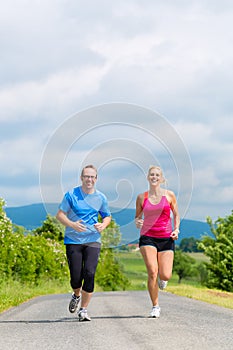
(146, 194)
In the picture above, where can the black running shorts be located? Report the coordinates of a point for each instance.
(161, 244)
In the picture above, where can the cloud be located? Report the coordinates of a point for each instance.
(53, 93)
(19, 159)
(60, 58)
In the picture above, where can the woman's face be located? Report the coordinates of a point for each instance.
(155, 176)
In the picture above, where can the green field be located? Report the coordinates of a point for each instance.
(135, 270)
(199, 257)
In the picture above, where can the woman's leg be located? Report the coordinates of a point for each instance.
(149, 254)
(165, 263)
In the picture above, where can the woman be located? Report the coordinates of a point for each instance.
(153, 218)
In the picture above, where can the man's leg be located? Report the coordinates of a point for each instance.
(90, 261)
(74, 258)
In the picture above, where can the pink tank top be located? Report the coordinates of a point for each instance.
(157, 218)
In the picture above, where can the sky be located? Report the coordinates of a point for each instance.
(123, 85)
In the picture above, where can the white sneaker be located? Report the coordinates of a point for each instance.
(83, 316)
(162, 284)
(155, 312)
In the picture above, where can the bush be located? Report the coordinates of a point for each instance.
(27, 258)
(220, 251)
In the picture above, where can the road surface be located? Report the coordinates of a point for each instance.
(119, 322)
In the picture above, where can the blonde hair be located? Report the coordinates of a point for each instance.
(157, 167)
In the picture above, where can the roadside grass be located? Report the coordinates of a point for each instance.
(135, 270)
(210, 296)
(13, 293)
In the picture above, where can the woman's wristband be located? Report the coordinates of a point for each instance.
(178, 231)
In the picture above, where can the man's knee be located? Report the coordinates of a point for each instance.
(88, 285)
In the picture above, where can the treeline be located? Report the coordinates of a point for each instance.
(29, 256)
(190, 245)
(32, 256)
(218, 271)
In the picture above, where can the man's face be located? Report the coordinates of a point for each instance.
(89, 178)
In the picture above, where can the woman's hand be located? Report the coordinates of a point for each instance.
(175, 234)
(139, 222)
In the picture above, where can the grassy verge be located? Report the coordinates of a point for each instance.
(14, 293)
(211, 296)
(135, 270)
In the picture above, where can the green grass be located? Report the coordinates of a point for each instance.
(199, 257)
(14, 293)
(211, 296)
(135, 270)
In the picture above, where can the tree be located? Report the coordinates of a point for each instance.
(111, 236)
(189, 245)
(220, 251)
(8, 242)
(183, 265)
(109, 273)
(203, 273)
(29, 257)
(51, 228)
(41, 253)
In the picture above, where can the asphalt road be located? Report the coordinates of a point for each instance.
(119, 322)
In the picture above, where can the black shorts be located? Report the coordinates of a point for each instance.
(161, 244)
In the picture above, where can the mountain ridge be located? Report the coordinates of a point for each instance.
(32, 216)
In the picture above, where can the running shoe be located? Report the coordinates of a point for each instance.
(83, 316)
(73, 305)
(162, 284)
(155, 312)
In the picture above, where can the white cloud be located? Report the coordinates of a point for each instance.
(197, 136)
(57, 91)
(18, 196)
(175, 57)
(18, 155)
(205, 179)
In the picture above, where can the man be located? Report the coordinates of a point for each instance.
(79, 211)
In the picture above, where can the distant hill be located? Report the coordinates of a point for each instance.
(32, 216)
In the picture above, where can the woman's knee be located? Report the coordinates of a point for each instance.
(165, 276)
(153, 274)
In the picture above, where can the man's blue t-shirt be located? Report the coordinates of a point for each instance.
(79, 205)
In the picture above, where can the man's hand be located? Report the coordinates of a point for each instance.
(78, 226)
(99, 226)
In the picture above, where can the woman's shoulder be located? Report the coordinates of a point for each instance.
(169, 194)
(141, 196)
